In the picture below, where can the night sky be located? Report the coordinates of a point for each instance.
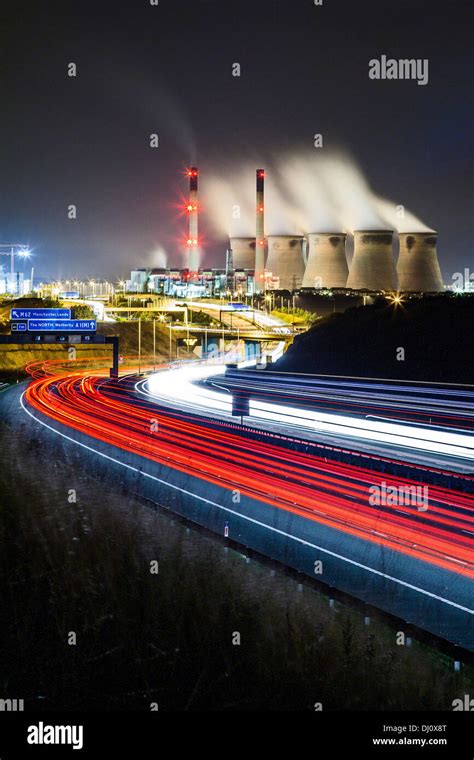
(168, 69)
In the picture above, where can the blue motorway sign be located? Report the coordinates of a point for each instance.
(19, 327)
(40, 313)
(62, 325)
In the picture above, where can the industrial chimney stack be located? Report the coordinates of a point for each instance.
(418, 267)
(193, 240)
(259, 276)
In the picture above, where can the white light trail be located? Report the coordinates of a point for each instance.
(178, 386)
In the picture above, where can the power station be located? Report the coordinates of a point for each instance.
(317, 260)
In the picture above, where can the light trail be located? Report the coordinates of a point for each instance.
(332, 494)
(180, 386)
(247, 518)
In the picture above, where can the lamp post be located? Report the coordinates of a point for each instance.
(139, 343)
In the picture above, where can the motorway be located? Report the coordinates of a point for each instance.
(411, 557)
(207, 390)
(435, 405)
(295, 506)
(324, 491)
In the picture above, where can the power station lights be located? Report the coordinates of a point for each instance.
(192, 173)
(190, 207)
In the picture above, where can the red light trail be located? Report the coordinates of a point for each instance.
(326, 491)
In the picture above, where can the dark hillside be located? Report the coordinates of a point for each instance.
(428, 339)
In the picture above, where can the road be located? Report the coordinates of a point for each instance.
(435, 405)
(320, 490)
(412, 558)
(207, 390)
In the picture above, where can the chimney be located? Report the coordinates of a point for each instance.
(193, 240)
(259, 276)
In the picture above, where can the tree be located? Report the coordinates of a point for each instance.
(82, 311)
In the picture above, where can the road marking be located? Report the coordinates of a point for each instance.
(250, 519)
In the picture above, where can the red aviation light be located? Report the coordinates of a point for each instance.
(260, 242)
(261, 174)
(261, 208)
(190, 242)
(190, 208)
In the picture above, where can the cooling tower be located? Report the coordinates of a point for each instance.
(243, 252)
(259, 258)
(285, 260)
(372, 266)
(326, 265)
(418, 267)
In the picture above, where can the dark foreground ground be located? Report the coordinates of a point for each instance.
(83, 567)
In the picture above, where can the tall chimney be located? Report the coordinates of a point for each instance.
(326, 265)
(372, 266)
(193, 240)
(259, 276)
(418, 266)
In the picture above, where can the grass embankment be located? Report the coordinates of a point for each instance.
(296, 316)
(84, 567)
(13, 358)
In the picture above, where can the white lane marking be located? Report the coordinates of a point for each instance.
(250, 519)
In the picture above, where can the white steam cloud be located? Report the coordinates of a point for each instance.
(303, 193)
(157, 258)
(399, 218)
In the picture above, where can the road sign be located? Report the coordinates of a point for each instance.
(40, 313)
(19, 327)
(62, 325)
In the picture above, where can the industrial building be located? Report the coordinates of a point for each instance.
(290, 262)
(182, 283)
(285, 263)
(326, 265)
(373, 265)
(418, 266)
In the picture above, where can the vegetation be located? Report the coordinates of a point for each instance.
(296, 316)
(421, 339)
(82, 311)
